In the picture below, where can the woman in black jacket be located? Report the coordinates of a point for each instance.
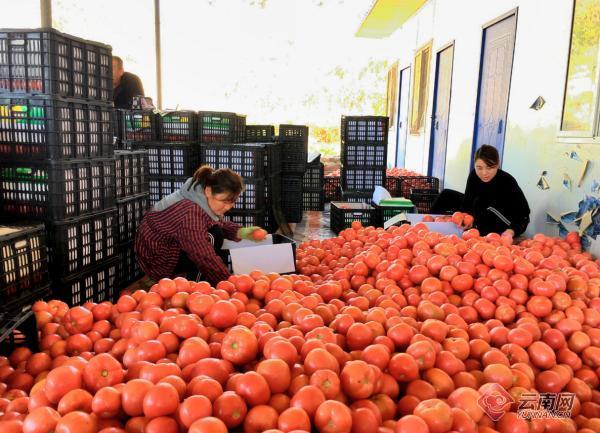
(492, 196)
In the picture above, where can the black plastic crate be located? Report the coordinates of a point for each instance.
(423, 199)
(136, 126)
(408, 183)
(97, 284)
(293, 133)
(246, 218)
(260, 133)
(293, 157)
(177, 126)
(131, 172)
(290, 185)
(313, 200)
(173, 159)
(332, 186)
(45, 61)
(385, 213)
(23, 264)
(77, 243)
(271, 224)
(363, 179)
(254, 195)
(362, 129)
(56, 191)
(313, 177)
(161, 187)
(392, 184)
(273, 159)
(247, 159)
(130, 212)
(364, 154)
(46, 127)
(343, 214)
(293, 210)
(18, 330)
(273, 190)
(357, 197)
(291, 198)
(219, 127)
(128, 269)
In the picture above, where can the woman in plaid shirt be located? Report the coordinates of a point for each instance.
(183, 232)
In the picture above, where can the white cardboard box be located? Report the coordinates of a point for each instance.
(271, 255)
(444, 228)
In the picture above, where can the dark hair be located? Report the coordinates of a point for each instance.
(488, 154)
(223, 180)
(119, 61)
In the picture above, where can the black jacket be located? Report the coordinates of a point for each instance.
(130, 86)
(496, 205)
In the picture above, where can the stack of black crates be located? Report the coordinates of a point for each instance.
(293, 141)
(23, 280)
(250, 151)
(313, 194)
(363, 156)
(136, 130)
(264, 136)
(56, 154)
(170, 140)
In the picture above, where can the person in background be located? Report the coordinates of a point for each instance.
(492, 196)
(125, 85)
(183, 233)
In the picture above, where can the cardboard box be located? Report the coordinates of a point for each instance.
(448, 228)
(277, 253)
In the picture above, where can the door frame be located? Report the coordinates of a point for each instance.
(400, 70)
(484, 27)
(435, 101)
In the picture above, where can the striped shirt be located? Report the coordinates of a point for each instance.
(182, 227)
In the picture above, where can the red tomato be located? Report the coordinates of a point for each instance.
(160, 400)
(194, 408)
(357, 379)
(208, 425)
(403, 367)
(411, 424)
(253, 388)
(277, 374)
(132, 396)
(60, 381)
(436, 414)
(260, 418)
(41, 420)
(239, 346)
(77, 422)
(333, 417)
(78, 320)
(107, 402)
(293, 418)
(230, 408)
(101, 371)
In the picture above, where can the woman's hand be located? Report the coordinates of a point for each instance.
(253, 233)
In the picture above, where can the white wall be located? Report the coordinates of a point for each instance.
(539, 69)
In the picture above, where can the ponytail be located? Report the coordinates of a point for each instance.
(222, 180)
(201, 175)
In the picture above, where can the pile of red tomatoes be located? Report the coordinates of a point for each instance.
(384, 331)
